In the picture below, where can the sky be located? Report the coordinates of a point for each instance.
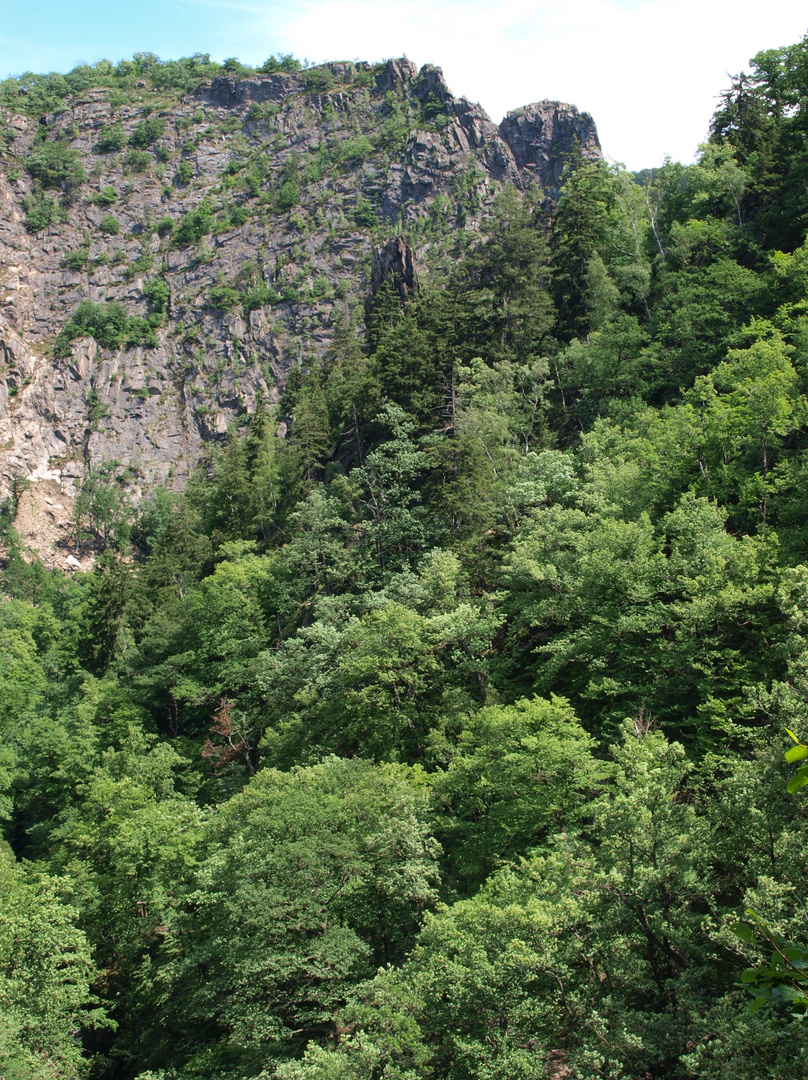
(650, 72)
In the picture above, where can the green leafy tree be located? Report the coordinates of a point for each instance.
(389, 493)
(109, 323)
(311, 431)
(199, 647)
(125, 845)
(195, 225)
(308, 879)
(280, 62)
(590, 958)
(760, 120)
(509, 306)
(111, 138)
(519, 773)
(102, 617)
(747, 406)
(45, 975)
(578, 233)
(173, 552)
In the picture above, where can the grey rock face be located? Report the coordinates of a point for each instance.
(365, 158)
(226, 93)
(394, 264)
(543, 137)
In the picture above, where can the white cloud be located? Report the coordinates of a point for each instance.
(650, 71)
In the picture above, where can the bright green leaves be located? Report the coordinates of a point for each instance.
(196, 224)
(29, 639)
(56, 165)
(387, 679)
(310, 878)
(45, 975)
(783, 979)
(109, 323)
(125, 845)
(611, 367)
(721, 180)
(387, 669)
(795, 754)
(517, 773)
(147, 131)
(23, 678)
(747, 406)
(578, 954)
(627, 615)
(745, 932)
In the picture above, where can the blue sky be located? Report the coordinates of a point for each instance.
(649, 71)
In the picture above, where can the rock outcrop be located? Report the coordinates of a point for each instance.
(394, 265)
(544, 136)
(296, 182)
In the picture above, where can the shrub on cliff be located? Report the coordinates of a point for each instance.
(233, 66)
(355, 150)
(35, 95)
(147, 132)
(288, 195)
(108, 323)
(75, 260)
(224, 298)
(110, 225)
(105, 197)
(318, 80)
(185, 172)
(56, 165)
(40, 212)
(158, 294)
(196, 224)
(227, 297)
(136, 161)
(111, 138)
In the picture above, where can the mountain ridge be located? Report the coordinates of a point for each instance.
(256, 205)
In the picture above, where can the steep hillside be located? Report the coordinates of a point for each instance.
(235, 226)
(435, 728)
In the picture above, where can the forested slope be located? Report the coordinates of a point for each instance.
(436, 730)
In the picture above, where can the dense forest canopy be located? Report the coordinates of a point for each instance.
(441, 736)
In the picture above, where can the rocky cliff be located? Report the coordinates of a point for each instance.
(255, 205)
